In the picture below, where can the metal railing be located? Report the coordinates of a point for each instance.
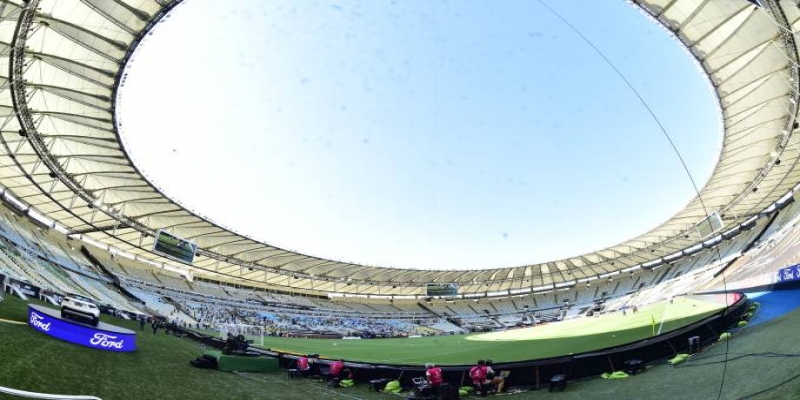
(34, 395)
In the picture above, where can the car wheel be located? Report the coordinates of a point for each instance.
(95, 321)
(63, 315)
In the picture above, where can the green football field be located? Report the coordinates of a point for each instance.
(762, 364)
(547, 340)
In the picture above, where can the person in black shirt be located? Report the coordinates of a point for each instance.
(230, 344)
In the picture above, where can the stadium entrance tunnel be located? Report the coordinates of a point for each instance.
(537, 373)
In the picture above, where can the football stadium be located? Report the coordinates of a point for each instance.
(114, 288)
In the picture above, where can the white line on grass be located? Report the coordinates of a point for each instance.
(663, 318)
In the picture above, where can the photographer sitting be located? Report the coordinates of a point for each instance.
(242, 343)
(338, 372)
(495, 381)
(231, 345)
(335, 369)
(478, 374)
(303, 366)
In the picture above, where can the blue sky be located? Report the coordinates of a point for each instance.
(460, 134)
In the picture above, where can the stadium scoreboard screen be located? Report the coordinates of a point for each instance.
(442, 289)
(710, 225)
(174, 247)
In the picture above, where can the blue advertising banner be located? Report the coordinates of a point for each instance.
(104, 337)
(26, 288)
(789, 274)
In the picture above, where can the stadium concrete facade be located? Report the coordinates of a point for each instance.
(63, 163)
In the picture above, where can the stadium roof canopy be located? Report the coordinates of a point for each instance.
(63, 64)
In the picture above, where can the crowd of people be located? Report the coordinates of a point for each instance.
(212, 316)
(209, 316)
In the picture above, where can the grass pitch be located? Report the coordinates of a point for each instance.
(159, 369)
(543, 341)
(761, 357)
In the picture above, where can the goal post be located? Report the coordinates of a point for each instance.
(252, 333)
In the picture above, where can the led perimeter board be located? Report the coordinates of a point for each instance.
(174, 247)
(441, 289)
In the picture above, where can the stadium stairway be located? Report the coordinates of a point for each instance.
(663, 275)
(454, 321)
(177, 305)
(51, 300)
(16, 292)
(114, 279)
(92, 259)
(497, 322)
(429, 309)
(156, 277)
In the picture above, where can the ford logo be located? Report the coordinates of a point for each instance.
(105, 340)
(36, 322)
(104, 337)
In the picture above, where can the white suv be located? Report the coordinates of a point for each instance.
(77, 306)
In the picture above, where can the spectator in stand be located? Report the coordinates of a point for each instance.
(478, 375)
(434, 377)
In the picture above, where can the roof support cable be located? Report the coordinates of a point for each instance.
(672, 145)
